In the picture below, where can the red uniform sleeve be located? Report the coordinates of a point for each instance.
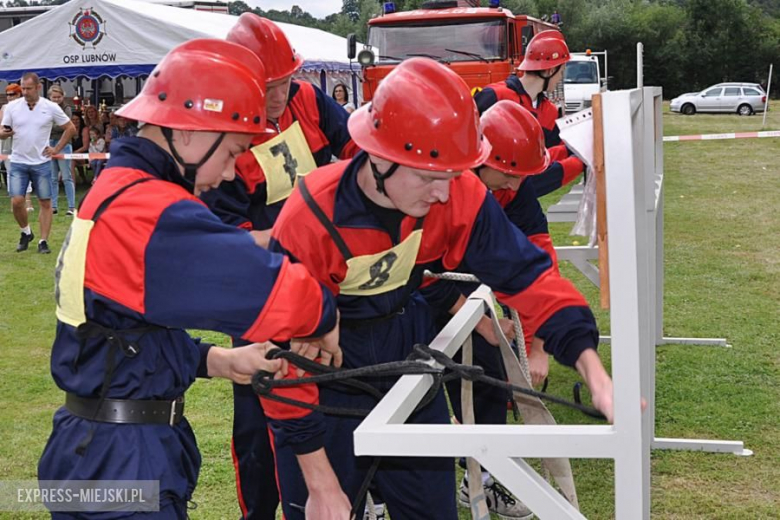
(521, 274)
(299, 235)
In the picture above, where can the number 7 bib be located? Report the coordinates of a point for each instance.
(283, 159)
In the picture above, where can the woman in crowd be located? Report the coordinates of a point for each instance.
(80, 144)
(92, 117)
(341, 95)
(61, 168)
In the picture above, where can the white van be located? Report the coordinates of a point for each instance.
(582, 79)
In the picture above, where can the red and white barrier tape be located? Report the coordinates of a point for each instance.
(668, 138)
(81, 156)
(717, 137)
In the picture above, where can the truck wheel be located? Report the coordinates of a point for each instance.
(745, 110)
(688, 109)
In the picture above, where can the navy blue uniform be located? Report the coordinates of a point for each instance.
(243, 202)
(157, 262)
(469, 233)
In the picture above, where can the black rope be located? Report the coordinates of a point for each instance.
(356, 512)
(263, 382)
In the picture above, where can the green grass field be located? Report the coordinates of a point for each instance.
(722, 280)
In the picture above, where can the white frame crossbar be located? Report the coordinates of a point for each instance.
(635, 193)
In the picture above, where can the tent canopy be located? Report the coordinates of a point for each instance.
(95, 38)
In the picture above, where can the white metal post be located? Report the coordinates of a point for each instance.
(659, 220)
(640, 71)
(628, 296)
(768, 89)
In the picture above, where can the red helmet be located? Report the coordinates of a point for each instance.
(546, 50)
(422, 116)
(268, 42)
(205, 85)
(517, 139)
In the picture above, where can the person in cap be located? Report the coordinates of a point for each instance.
(305, 129)
(145, 259)
(542, 69)
(12, 92)
(367, 229)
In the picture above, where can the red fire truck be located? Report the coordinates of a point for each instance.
(482, 44)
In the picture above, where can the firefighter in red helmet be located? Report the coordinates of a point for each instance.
(518, 154)
(542, 69)
(368, 228)
(305, 129)
(145, 260)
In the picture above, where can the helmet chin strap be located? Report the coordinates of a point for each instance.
(548, 77)
(190, 169)
(380, 178)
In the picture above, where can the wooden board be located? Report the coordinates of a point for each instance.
(601, 199)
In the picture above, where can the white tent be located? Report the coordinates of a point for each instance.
(112, 38)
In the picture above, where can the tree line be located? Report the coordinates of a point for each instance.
(688, 44)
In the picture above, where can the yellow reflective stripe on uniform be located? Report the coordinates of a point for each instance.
(70, 272)
(282, 159)
(382, 272)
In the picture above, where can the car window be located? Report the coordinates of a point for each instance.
(732, 91)
(751, 92)
(713, 92)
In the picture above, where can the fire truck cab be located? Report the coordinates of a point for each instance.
(482, 45)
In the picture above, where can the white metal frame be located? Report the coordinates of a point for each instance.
(635, 193)
(581, 256)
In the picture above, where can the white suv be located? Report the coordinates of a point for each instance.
(741, 98)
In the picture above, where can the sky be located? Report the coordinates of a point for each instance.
(318, 8)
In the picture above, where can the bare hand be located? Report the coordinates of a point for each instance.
(485, 329)
(602, 400)
(326, 348)
(243, 362)
(49, 151)
(538, 364)
(328, 506)
(5, 134)
(262, 238)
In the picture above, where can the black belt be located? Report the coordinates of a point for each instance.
(350, 323)
(126, 411)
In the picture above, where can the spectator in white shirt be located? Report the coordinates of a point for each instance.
(29, 121)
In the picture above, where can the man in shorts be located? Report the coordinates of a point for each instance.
(29, 121)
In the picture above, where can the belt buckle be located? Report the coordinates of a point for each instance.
(178, 400)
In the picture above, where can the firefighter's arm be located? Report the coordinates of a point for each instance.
(559, 152)
(239, 364)
(557, 175)
(525, 212)
(230, 202)
(572, 168)
(300, 429)
(326, 498)
(599, 383)
(522, 277)
(227, 283)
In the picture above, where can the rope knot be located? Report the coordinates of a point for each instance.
(261, 381)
